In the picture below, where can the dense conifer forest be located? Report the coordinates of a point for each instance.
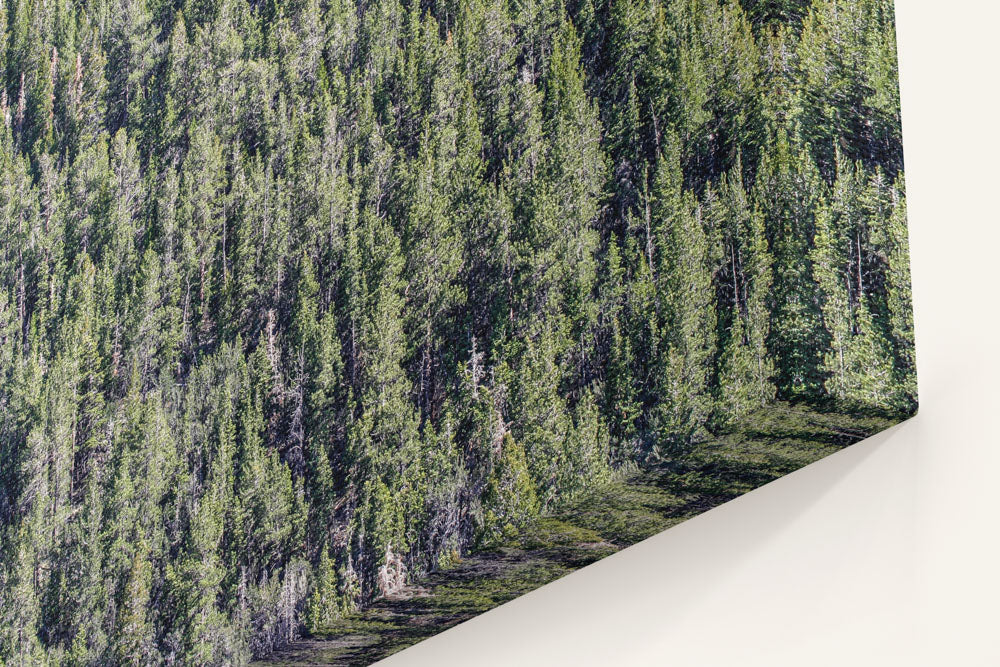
(300, 299)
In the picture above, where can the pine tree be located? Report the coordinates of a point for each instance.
(324, 605)
(622, 400)
(859, 363)
(434, 255)
(829, 267)
(745, 277)
(383, 443)
(130, 59)
(868, 378)
(20, 611)
(509, 499)
(202, 182)
(194, 579)
(318, 420)
(133, 644)
(539, 416)
(788, 190)
(892, 246)
(684, 304)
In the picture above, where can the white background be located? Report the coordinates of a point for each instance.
(887, 553)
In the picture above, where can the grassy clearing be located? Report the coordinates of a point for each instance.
(587, 528)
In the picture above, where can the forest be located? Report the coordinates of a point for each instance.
(301, 299)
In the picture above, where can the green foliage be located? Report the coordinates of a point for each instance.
(299, 300)
(683, 312)
(134, 645)
(744, 278)
(788, 191)
(894, 249)
(324, 604)
(509, 499)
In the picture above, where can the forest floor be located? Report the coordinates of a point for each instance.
(585, 529)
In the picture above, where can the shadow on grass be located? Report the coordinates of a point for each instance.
(589, 527)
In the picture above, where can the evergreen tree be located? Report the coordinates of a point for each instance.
(324, 605)
(745, 278)
(891, 242)
(301, 300)
(788, 190)
(685, 312)
(509, 499)
(134, 635)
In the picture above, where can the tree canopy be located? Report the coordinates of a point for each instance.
(299, 298)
